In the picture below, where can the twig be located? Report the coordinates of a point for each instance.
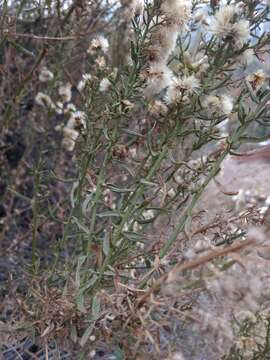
(170, 276)
(36, 37)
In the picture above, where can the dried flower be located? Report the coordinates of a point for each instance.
(86, 78)
(180, 86)
(98, 43)
(70, 137)
(77, 120)
(70, 108)
(133, 7)
(92, 338)
(220, 104)
(171, 193)
(157, 108)
(104, 85)
(128, 105)
(70, 133)
(247, 57)
(158, 77)
(176, 356)
(176, 12)
(68, 144)
(227, 25)
(44, 100)
(148, 214)
(45, 75)
(101, 62)
(257, 79)
(59, 107)
(226, 104)
(174, 16)
(162, 43)
(92, 354)
(65, 92)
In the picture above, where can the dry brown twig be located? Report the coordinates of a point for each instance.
(36, 37)
(192, 264)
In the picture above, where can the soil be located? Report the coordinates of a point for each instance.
(248, 177)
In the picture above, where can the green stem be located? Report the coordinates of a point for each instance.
(187, 213)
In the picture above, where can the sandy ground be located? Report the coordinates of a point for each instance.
(251, 176)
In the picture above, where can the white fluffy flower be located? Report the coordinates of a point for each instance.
(247, 57)
(98, 43)
(257, 79)
(163, 41)
(218, 104)
(45, 75)
(182, 86)
(227, 25)
(173, 17)
(70, 137)
(70, 133)
(100, 62)
(44, 100)
(77, 120)
(241, 32)
(132, 8)
(176, 12)
(70, 108)
(86, 78)
(65, 92)
(158, 77)
(148, 214)
(104, 85)
(59, 107)
(226, 104)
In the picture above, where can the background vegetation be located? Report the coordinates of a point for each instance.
(116, 117)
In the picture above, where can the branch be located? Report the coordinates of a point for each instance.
(192, 264)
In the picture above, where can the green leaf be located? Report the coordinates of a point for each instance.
(118, 190)
(108, 214)
(132, 236)
(125, 166)
(80, 225)
(21, 48)
(86, 202)
(252, 93)
(147, 183)
(132, 132)
(81, 260)
(73, 334)
(242, 113)
(106, 244)
(72, 193)
(119, 353)
(95, 307)
(90, 283)
(86, 335)
(80, 302)
(80, 294)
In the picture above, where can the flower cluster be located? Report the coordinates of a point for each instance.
(181, 88)
(71, 131)
(227, 25)
(98, 43)
(218, 104)
(173, 16)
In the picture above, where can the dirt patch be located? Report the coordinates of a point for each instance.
(250, 178)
